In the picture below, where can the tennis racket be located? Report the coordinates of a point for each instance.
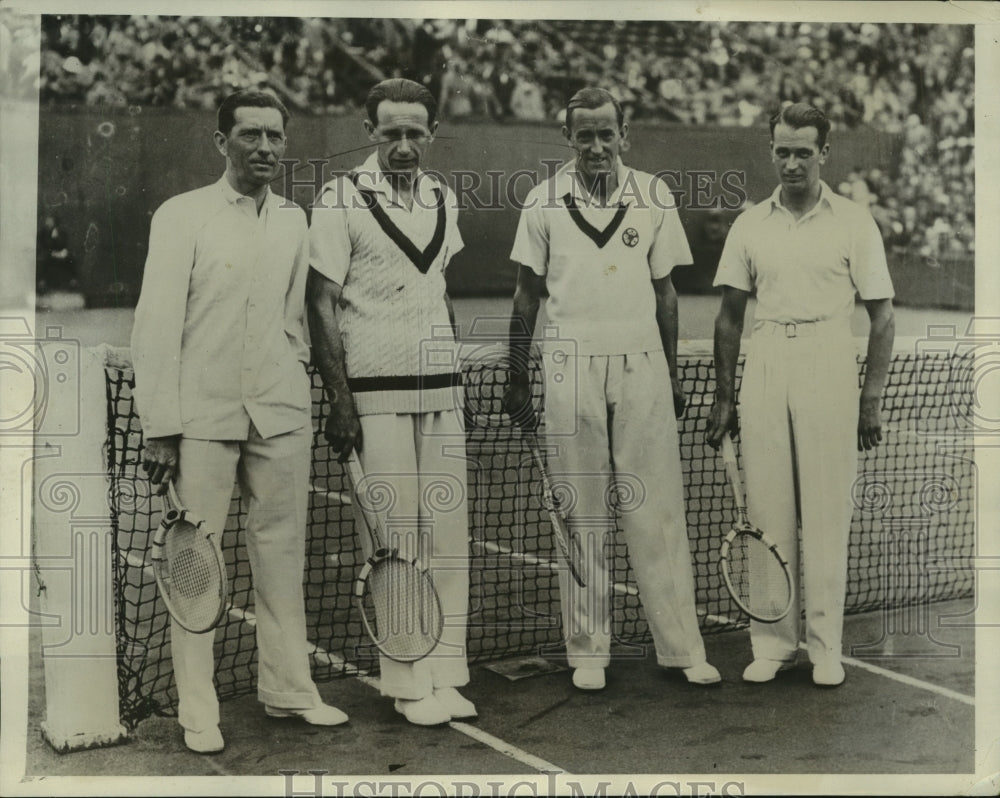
(189, 568)
(399, 606)
(755, 572)
(567, 543)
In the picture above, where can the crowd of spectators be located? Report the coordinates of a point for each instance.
(908, 79)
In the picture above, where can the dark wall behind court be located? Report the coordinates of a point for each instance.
(104, 172)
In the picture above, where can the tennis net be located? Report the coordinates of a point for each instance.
(914, 510)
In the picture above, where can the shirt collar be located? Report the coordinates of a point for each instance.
(565, 182)
(371, 177)
(232, 196)
(825, 192)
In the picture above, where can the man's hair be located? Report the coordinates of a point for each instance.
(591, 98)
(400, 90)
(248, 99)
(799, 115)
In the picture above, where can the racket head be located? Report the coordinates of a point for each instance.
(399, 607)
(190, 572)
(756, 574)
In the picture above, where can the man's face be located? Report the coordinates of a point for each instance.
(797, 157)
(403, 135)
(253, 147)
(597, 139)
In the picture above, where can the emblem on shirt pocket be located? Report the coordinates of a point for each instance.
(630, 236)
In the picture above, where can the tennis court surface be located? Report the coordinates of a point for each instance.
(907, 706)
(893, 715)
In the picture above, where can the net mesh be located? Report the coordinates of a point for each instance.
(912, 535)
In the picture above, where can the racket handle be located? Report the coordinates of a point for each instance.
(170, 498)
(357, 476)
(732, 468)
(354, 469)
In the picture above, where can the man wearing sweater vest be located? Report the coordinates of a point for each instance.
(381, 238)
(602, 239)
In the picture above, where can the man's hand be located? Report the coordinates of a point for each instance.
(343, 428)
(516, 403)
(680, 399)
(869, 423)
(721, 421)
(161, 460)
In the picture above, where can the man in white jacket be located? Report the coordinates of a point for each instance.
(220, 358)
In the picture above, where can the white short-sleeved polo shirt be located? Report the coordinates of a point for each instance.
(807, 269)
(599, 260)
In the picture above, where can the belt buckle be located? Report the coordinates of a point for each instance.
(790, 331)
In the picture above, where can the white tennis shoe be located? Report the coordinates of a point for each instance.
(764, 670)
(588, 678)
(458, 706)
(703, 673)
(207, 741)
(828, 674)
(426, 711)
(323, 715)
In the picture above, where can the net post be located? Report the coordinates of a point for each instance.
(73, 549)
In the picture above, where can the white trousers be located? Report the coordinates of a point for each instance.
(421, 457)
(612, 427)
(273, 476)
(799, 434)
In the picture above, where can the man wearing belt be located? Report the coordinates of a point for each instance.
(220, 385)
(381, 327)
(806, 251)
(601, 239)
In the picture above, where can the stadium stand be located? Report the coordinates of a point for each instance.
(910, 79)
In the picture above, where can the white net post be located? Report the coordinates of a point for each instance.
(73, 548)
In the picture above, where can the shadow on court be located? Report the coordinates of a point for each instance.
(907, 710)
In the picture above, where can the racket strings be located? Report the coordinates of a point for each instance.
(402, 609)
(192, 577)
(760, 584)
(190, 572)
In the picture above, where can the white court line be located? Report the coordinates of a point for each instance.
(723, 619)
(337, 496)
(241, 614)
(909, 680)
(904, 679)
(531, 559)
(135, 561)
(315, 650)
(618, 587)
(498, 745)
(505, 748)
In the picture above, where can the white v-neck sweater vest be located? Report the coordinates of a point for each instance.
(400, 347)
